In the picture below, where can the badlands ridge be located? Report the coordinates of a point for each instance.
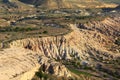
(86, 42)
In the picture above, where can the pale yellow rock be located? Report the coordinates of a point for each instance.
(29, 75)
(15, 62)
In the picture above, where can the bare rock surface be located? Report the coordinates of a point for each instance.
(16, 61)
(22, 64)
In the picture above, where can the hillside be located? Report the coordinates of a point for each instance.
(57, 54)
(54, 4)
(111, 1)
(59, 40)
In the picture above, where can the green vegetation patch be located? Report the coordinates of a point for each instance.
(16, 29)
(117, 41)
(80, 72)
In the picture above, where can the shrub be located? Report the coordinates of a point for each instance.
(117, 41)
(39, 74)
(45, 32)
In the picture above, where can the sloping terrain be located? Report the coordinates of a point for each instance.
(55, 4)
(89, 43)
(22, 64)
(14, 62)
(59, 44)
(111, 1)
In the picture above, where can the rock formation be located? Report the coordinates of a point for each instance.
(86, 42)
(63, 47)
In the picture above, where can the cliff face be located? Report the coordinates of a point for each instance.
(86, 42)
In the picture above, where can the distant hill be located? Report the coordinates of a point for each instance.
(111, 1)
(53, 4)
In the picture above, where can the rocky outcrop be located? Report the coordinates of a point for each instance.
(53, 67)
(22, 64)
(77, 44)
